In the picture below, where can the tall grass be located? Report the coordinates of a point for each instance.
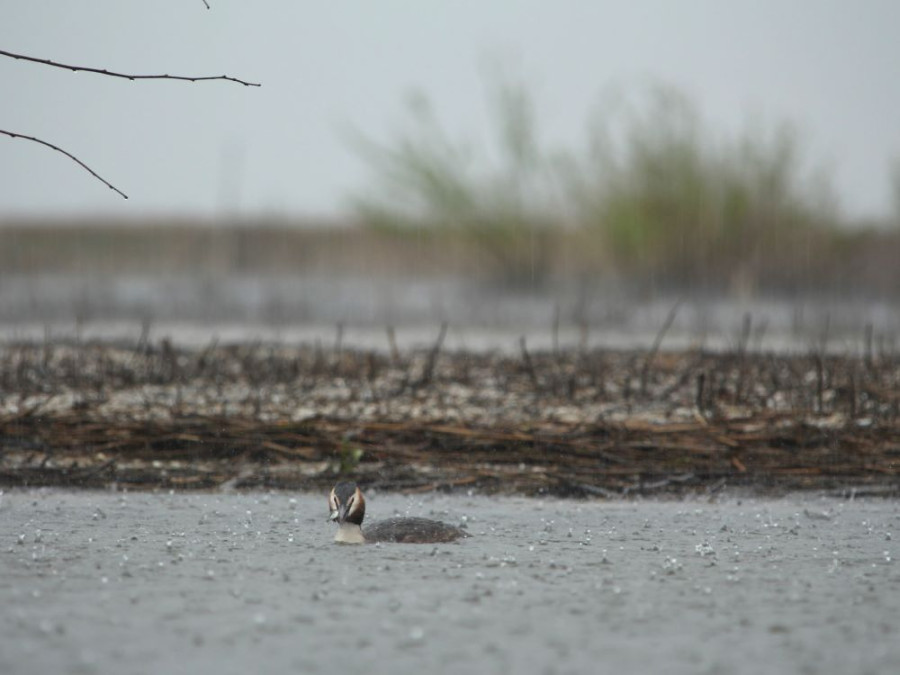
(668, 195)
(654, 191)
(423, 179)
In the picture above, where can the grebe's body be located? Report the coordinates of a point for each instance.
(348, 508)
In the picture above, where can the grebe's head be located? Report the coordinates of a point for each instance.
(347, 504)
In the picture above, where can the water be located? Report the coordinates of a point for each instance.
(228, 583)
(193, 311)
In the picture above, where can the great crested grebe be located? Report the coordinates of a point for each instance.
(348, 508)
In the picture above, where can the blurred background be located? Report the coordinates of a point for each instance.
(572, 171)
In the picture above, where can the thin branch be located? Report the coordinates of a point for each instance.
(206, 3)
(67, 154)
(656, 344)
(126, 76)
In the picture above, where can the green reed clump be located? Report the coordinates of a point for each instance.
(664, 195)
(503, 200)
(667, 195)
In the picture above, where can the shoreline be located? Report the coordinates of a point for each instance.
(570, 423)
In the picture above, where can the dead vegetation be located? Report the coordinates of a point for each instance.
(562, 422)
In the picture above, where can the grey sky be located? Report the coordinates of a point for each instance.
(831, 67)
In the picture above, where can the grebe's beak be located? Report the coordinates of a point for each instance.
(339, 513)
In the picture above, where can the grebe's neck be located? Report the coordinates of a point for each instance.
(349, 533)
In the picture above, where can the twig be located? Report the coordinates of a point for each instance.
(867, 348)
(93, 471)
(392, 343)
(529, 364)
(744, 338)
(715, 487)
(428, 371)
(820, 384)
(826, 329)
(12, 134)
(556, 332)
(27, 412)
(125, 76)
(206, 3)
(699, 400)
(656, 344)
(597, 491)
(743, 342)
(642, 487)
(760, 332)
(339, 341)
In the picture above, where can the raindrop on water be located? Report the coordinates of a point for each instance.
(704, 549)
(672, 565)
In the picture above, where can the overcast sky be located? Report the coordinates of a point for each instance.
(833, 68)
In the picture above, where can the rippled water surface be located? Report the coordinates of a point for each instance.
(228, 583)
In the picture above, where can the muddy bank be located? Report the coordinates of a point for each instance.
(575, 422)
(101, 582)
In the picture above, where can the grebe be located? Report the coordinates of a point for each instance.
(348, 508)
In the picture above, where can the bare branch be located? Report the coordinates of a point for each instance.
(126, 76)
(206, 3)
(67, 154)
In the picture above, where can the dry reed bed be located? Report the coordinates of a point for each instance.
(573, 423)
